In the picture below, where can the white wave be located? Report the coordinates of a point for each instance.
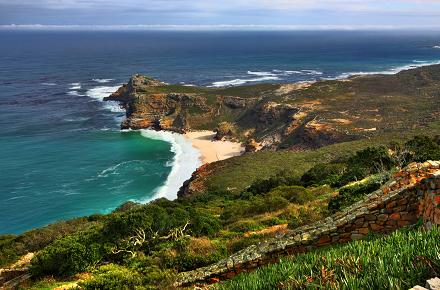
(291, 72)
(420, 61)
(75, 86)
(114, 107)
(187, 85)
(186, 161)
(75, 93)
(299, 72)
(238, 82)
(391, 71)
(17, 197)
(99, 93)
(261, 73)
(311, 72)
(102, 81)
(79, 119)
(49, 84)
(436, 46)
(114, 169)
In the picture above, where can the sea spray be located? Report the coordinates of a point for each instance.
(186, 161)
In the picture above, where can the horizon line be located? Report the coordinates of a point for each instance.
(189, 27)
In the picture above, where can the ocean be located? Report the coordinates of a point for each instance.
(62, 153)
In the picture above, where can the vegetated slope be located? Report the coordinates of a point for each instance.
(148, 245)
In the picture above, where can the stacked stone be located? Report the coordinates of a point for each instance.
(412, 174)
(429, 208)
(414, 193)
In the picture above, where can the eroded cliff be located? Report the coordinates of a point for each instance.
(288, 116)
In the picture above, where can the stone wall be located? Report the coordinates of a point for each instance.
(413, 194)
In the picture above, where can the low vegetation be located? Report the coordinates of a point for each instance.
(399, 261)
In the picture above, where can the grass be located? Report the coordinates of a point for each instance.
(238, 173)
(398, 261)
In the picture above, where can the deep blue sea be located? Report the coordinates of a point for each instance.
(62, 153)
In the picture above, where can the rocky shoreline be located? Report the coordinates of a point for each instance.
(285, 116)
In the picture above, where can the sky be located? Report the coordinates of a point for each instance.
(291, 13)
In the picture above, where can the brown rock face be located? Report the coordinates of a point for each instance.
(226, 130)
(252, 146)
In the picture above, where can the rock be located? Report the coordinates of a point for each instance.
(252, 146)
(225, 130)
(234, 102)
(433, 284)
(417, 287)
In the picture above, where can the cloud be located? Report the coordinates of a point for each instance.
(292, 12)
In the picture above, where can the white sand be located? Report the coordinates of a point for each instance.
(212, 150)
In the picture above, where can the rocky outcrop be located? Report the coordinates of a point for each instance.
(195, 183)
(414, 193)
(226, 130)
(252, 146)
(431, 284)
(295, 116)
(235, 102)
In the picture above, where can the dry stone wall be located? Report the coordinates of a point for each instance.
(413, 194)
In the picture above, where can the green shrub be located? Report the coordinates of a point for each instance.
(306, 216)
(152, 271)
(8, 252)
(14, 246)
(204, 224)
(369, 161)
(113, 277)
(352, 193)
(421, 149)
(256, 205)
(69, 255)
(245, 226)
(294, 194)
(323, 173)
(262, 186)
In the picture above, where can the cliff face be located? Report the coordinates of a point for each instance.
(288, 116)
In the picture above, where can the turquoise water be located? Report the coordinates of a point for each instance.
(77, 174)
(62, 154)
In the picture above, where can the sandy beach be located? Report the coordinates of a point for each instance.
(212, 150)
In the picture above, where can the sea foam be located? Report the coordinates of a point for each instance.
(102, 81)
(237, 82)
(391, 71)
(99, 93)
(261, 76)
(186, 160)
(75, 86)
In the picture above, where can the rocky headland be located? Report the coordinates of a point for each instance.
(287, 116)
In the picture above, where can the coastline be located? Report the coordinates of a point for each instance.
(191, 150)
(213, 150)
